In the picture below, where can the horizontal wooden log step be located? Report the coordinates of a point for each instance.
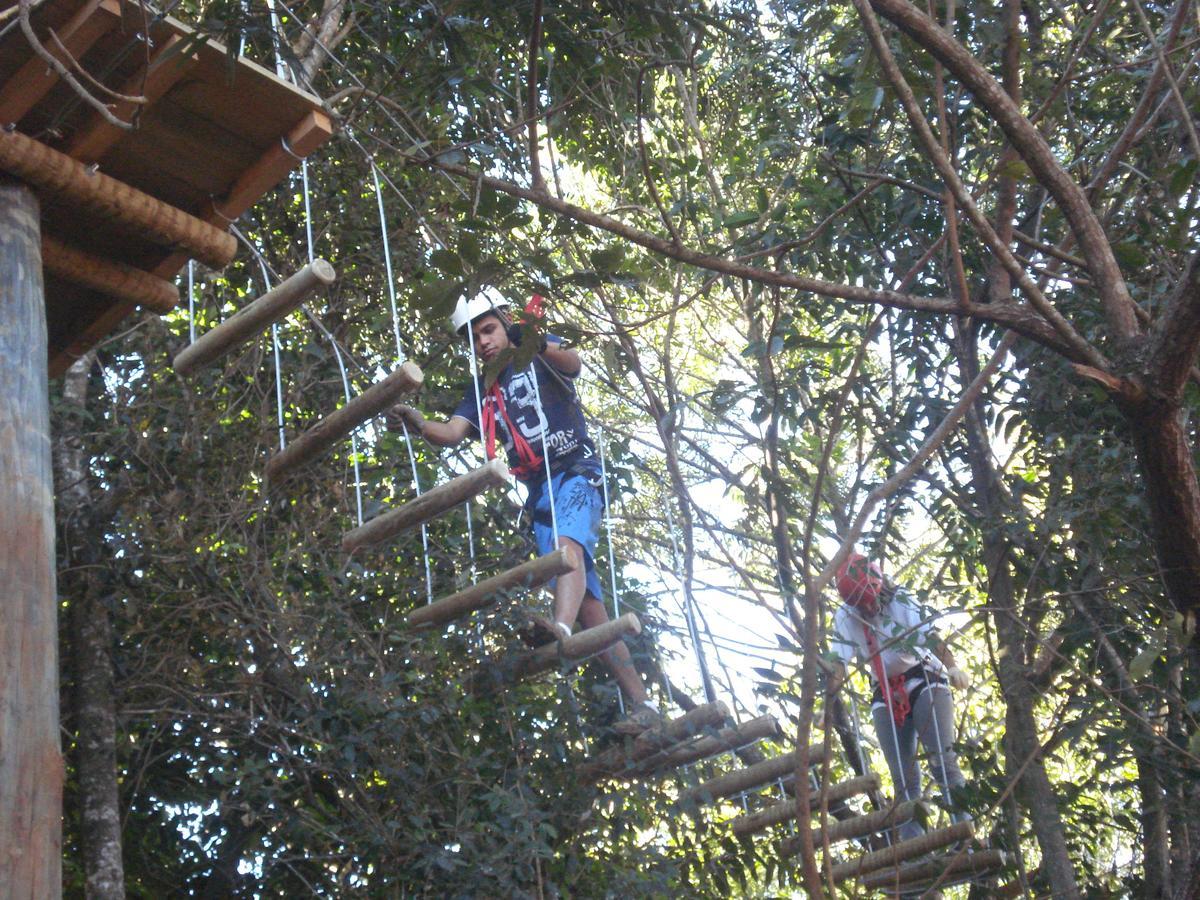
(57, 176)
(431, 504)
(859, 826)
(950, 869)
(703, 747)
(372, 402)
(625, 759)
(747, 779)
(527, 576)
(891, 856)
(254, 317)
(580, 646)
(762, 819)
(107, 276)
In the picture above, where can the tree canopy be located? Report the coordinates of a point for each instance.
(920, 279)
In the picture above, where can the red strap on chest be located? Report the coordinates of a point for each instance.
(894, 692)
(530, 460)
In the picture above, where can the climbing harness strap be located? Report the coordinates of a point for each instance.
(895, 694)
(529, 459)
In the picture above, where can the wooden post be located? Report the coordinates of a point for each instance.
(623, 759)
(739, 780)
(328, 431)
(724, 740)
(976, 862)
(859, 826)
(74, 183)
(527, 576)
(108, 276)
(254, 317)
(897, 853)
(429, 505)
(762, 819)
(31, 770)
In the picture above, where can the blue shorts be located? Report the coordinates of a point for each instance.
(578, 506)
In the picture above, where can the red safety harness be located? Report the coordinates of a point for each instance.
(893, 689)
(531, 461)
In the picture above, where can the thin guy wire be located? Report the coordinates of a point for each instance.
(608, 537)
(191, 302)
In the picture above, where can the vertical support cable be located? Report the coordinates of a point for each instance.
(412, 459)
(689, 614)
(608, 539)
(387, 263)
(544, 422)
(191, 302)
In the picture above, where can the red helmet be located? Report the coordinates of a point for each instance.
(860, 582)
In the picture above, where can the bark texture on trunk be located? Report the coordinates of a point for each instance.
(92, 693)
(30, 757)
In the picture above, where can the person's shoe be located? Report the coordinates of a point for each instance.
(642, 719)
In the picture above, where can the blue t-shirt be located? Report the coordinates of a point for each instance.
(560, 418)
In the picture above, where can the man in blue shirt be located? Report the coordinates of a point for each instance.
(535, 413)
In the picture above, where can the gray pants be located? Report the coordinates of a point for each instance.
(932, 718)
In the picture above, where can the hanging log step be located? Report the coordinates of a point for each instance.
(582, 645)
(946, 870)
(749, 778)
(891, 856)
(624, 760)
(527, 576)
(703, 747)
(57, 176)
(754, 822)
(328, 431)
(429, 505)
(859, 826)
(251, 319)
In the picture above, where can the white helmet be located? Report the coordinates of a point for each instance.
(467, 311)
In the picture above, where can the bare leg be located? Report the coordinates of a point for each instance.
(616, 658)
(571, 601)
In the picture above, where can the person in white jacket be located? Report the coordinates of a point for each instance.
(912, 669)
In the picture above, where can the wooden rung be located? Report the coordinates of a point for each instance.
(578, 647)
(50, 172)
(762, 819)
(859, 826)
(702, 748)
(107, 276)
(429, 505)
(749, 778)
(625, 759)
(889, 857)
(328, 431)
(251, 319)
(954, 868)
(529, 575)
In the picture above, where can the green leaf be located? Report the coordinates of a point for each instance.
(1144, 661)
(447, 261)
(436, 299)
(740, 219)
(609, 259)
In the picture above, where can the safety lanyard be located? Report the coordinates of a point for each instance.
(893, 690)
(530, 459)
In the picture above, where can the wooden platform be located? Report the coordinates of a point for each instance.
(209, 142)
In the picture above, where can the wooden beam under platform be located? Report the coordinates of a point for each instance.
(372, 402)
(109, 277)
(55, 174)
(429, 505)
(527, 576)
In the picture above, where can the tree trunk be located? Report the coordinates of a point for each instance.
(30, 756)
(92, 697)
(1164, 455)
